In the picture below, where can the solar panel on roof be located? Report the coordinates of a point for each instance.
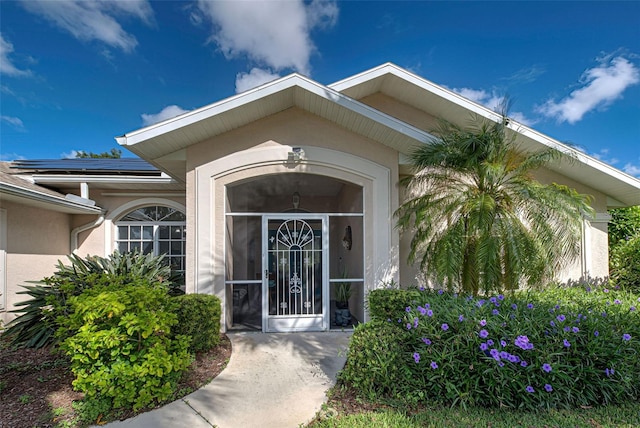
(122, 165)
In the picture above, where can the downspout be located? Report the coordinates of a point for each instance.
(76, 231)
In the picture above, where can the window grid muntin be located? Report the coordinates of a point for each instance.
(149, 230)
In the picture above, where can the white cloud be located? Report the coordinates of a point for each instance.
(166, 113)
(256, 77)
(93, 20)
(15, 122)
(493, 101)
(6, 64)
(70, 155)
(632, 169)
(6, 157)
(273, 34)
(600, 86)
(603, 155)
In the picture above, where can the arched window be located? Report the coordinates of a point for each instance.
(154, 230)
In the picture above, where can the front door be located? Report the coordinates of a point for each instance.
(295, 281)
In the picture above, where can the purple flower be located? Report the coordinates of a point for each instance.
(434, 365)
(483, 322)
(416, 357)
(548, 387)
(514, 306)
(632, 308)
(445, 326)
(422, 288)
(604, 314)
(523, 363)
(504, 355)
(429, 313)
(500, 297)
(490, 342)
(427, 305)
(480, 302)
(493, 300)
(617, 302)
(530, 389)
(546, 367)
(495, 312)
(483, 334)
(495, 354)
(421, 310)
(606, 290)
(575, 329)
(596, 333)
(522, 342)
(503, 343)
(566, 329)
(609, 372)
(500, 364)
(561, 318)
(529, 305)
(484, 346)
(553, 324)
(440, 292)
(461, 318)
(626, 337)
(426, 341)
(408, 326)
(566, 343)
(408, 309)
(415, 323)
(514, 358)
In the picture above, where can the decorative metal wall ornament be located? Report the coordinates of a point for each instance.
(347, 240)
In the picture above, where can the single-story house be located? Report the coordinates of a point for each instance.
(269, 199)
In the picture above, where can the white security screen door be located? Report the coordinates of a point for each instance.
(295, 285)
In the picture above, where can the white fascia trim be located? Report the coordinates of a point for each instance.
(48, 199)
(92, 179)
(390, 68)
(289, 82)
(207, 111)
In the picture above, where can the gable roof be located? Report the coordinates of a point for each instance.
(163, 144)
(622, 189)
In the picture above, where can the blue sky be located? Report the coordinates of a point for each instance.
(75, 74)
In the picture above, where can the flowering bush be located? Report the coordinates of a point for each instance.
(559, 347)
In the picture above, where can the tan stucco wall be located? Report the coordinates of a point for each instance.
(275, 135)
(36, 239)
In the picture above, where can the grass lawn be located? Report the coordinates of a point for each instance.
(342, 412)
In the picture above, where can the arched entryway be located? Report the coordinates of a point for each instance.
(293, 241)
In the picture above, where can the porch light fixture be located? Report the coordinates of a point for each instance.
(295, 199)
(295, 155)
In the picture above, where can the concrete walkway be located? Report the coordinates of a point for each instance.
(276, 380)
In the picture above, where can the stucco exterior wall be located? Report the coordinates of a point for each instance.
(261, 149)
(36, 239)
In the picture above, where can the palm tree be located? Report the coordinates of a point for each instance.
(479, 219)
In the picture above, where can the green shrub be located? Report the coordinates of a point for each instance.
(559, 347)
(375, 360)
(625, 264)
(48, 301)
(199, 318)
(385, 303)
(120, 344)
